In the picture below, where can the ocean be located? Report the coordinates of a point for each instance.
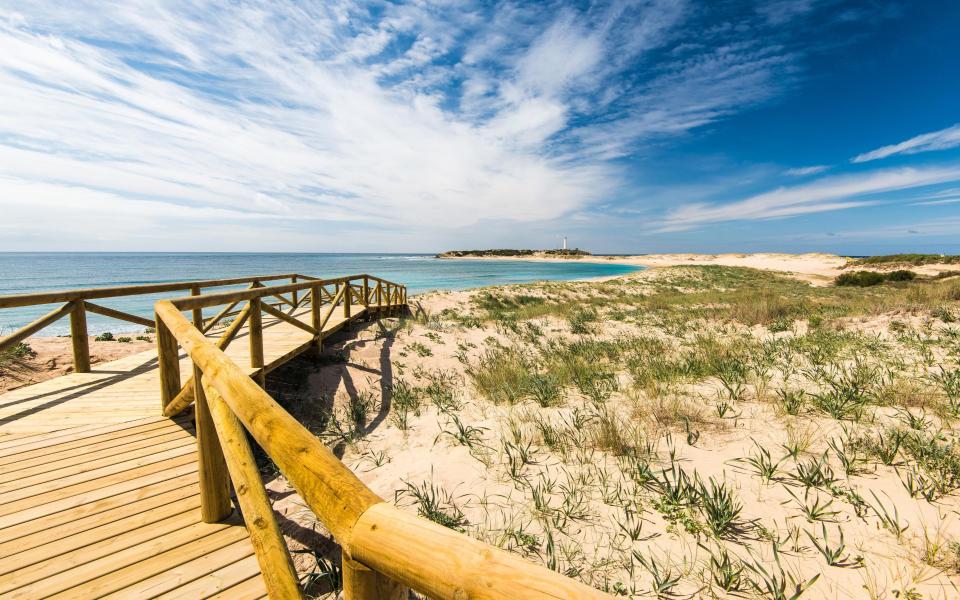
(26, 272)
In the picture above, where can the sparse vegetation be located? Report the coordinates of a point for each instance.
(908, 259)
(691, 432)
(871, 278)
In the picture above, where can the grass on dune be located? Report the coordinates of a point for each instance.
(591, 404)
(908, 259)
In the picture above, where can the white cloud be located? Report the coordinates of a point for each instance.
(949, 196)
(299, 120)
(803, 171)
(826, 194)
(937, 140)
(320, 143)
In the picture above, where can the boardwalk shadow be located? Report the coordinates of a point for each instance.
(308, 386)
(319, 547)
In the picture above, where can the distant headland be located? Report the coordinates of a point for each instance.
(508, 253)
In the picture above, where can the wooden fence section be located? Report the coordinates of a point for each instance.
(108, 489)
(385, 550)
(100, 493)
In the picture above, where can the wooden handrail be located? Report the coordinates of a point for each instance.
(384, 547)
(186, 395)
(218, 298)
(27, 330)
(333, 492)
(118, 314)
(288, 319)
(17, 300)
(271, 551)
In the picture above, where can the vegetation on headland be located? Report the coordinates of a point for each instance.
(685, 432)
(506, 253)
(906, 259)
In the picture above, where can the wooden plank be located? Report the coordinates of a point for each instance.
(160, 562)
(20, 573)
(20, 473)
(58, 526)
(88, 501)
(11, 506)
(182, 512)
(80, 466)
(89, 562)
(93, 443)
(84, 477)
(217, 581)
(251, 589)
(206, 569)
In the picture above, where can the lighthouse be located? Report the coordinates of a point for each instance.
(564, 242)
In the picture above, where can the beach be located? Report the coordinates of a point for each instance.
(816, 268)
(710, 416)
(689, 415)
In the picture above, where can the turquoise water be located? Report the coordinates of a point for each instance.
(22, 273)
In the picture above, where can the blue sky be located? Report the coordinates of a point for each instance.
(660, 125)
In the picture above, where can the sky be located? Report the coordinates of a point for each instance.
(629, 127)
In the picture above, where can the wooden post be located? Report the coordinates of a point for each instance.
(214, 479)
(197, 312)
(78, 336)
(316, 299)
(360, 583)
(279, 574)
(256, 340)
(379, 300)
(168, 360)
(366, 291)
(294, 280)
(347, 291)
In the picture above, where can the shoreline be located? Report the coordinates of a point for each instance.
(816, 268)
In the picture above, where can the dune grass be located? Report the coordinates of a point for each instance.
(696, 431)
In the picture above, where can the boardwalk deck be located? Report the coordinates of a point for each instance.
(99, 494)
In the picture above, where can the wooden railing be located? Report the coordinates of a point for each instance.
(385, 550)
(326, 297)
(77, 303)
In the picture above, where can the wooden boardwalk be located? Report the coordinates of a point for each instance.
(99, 493)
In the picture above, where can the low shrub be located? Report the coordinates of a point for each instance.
(872, 278)
(17, 351)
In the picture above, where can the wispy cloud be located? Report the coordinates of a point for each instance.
(949, 196)
(804, 171)
(937, 140)
(826, 194)
(298, 118)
